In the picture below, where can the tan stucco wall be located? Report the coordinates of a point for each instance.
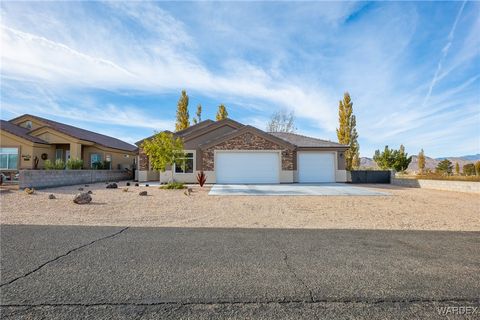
(26, 148)
(118, 157)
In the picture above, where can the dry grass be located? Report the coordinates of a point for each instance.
(439, 177)
(406, 208)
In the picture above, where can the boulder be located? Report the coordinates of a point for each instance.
(128, 184)
(142, 193)
(112, 185)
(136, 184)
(146, 185)
(51, 196)
(82, 198)
(90, 192)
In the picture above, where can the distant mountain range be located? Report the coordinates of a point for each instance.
(430, 163)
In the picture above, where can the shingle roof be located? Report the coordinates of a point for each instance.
(306, 142)
(87, 135)
(19, 131)
(184, 132)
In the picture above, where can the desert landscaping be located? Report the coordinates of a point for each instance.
(403, 209)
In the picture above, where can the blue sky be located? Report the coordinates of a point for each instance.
(412, 68)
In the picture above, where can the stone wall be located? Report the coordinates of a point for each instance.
(55, 178)
(447, 185)
(249, 141)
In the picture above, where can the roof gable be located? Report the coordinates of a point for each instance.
(244, 130)
(19, 132)
(79, 133)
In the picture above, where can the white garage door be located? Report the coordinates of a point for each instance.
(316, 167)
(247, 167)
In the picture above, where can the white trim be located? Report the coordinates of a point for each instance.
(194, 168)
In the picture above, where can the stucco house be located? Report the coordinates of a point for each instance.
(26, 138)
(231, 152)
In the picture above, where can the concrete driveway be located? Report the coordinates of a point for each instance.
(322, 189)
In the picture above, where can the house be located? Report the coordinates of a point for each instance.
(27, 138)
(231, 152)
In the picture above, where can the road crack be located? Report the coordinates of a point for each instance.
(358, 300)
(61, 256)
(292, 271)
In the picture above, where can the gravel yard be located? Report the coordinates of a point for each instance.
(404, 209)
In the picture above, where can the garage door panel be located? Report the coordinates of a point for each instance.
(316, 167)
(247, 167)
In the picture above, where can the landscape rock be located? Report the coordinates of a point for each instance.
(112, 185)
(80, 189)
(82, 198)
(51, 196)
(128, 184)
(125, 190)
(29, 190)
(146, 185)
(86, 185)
(90, 192)
(142, 193)
(136, 184)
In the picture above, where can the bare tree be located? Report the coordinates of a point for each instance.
(282, 121)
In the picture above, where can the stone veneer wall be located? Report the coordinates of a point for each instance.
(446, 185)
(56, 178)
(248, 141)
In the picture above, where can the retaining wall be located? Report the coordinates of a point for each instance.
(56, 178)
(447, 185)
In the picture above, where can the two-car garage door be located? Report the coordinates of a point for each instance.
(247, 167)
(264, 167)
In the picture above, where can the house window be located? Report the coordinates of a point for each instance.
(59, 154)
(8, 158)
(95, 157)
(185, 164)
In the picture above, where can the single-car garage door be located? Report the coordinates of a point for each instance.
(316, 167)
(247, 167)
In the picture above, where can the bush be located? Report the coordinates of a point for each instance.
(74, 164)
(57, 165)
(469, 169)
(173, 185)
(101, 165)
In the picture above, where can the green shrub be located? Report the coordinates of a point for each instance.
(173, 185)
(57, 165)
(101, 165)
(469, 169)
(74, 164)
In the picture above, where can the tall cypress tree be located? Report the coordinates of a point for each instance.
(221, 113)
(347, 132)
(183, 121)
(198, 117)
(421, 161)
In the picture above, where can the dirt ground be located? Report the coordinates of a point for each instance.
(404, 209)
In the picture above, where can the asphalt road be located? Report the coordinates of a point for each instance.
(73, 272)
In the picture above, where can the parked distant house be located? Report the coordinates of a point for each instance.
(28, 137)
(230, 152)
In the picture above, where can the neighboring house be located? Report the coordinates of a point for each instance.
(230, 152)
(28, 137)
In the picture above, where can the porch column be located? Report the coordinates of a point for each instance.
(75, 151)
